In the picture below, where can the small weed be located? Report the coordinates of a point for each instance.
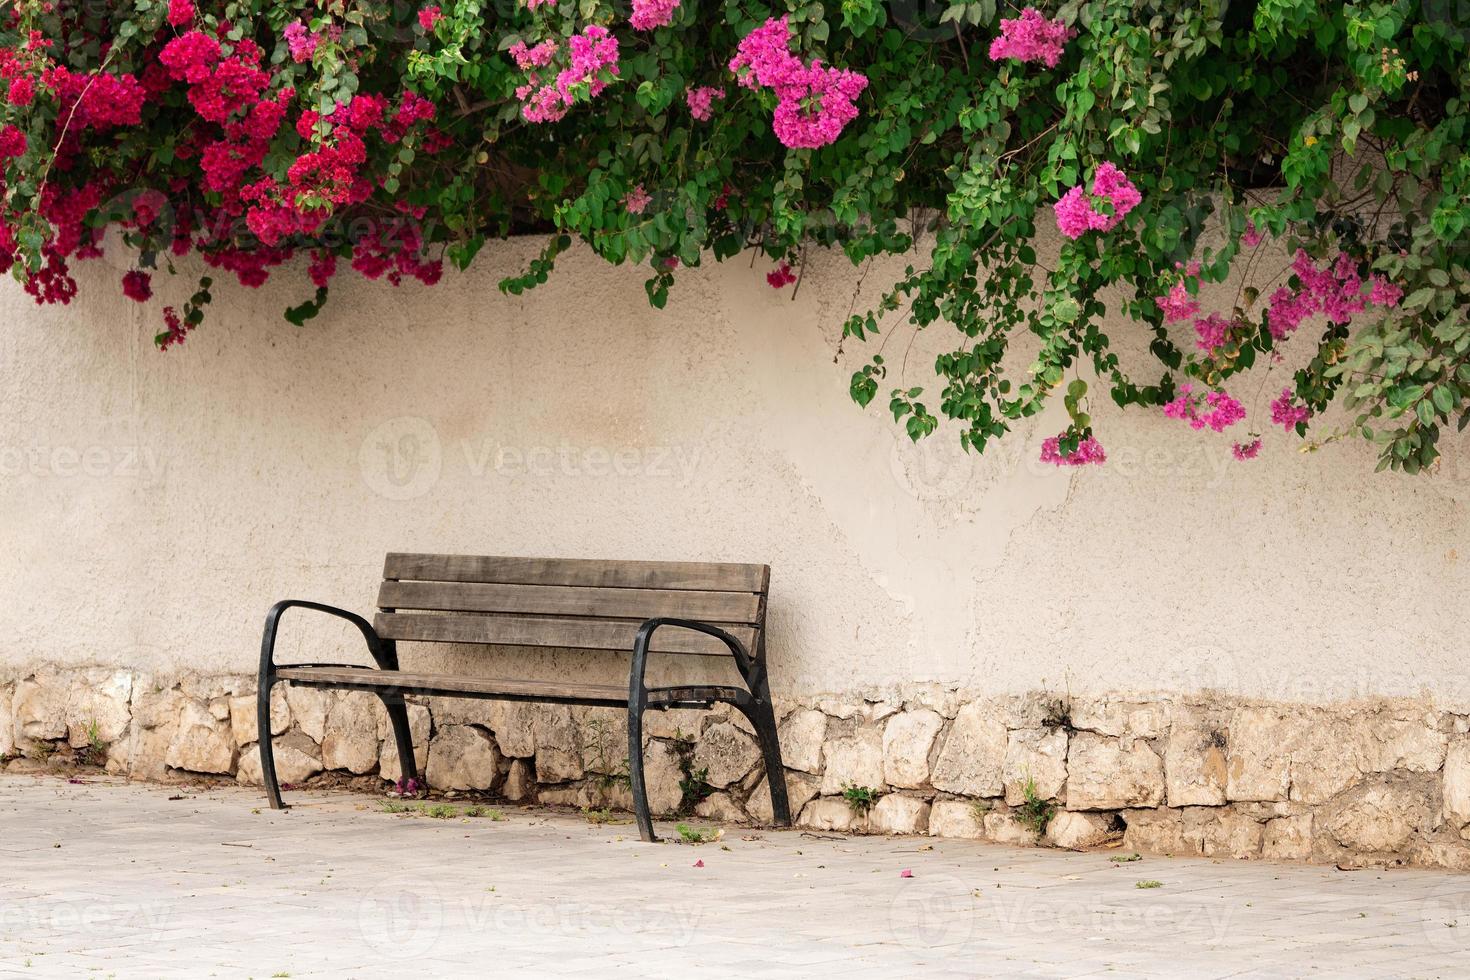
(693, 783)
(392, 806)
(604, 815)
(860, 799)
(94, 753)
(441, 811)
(607, 773)
(489, 813)
(280, 973)
(1034, 812)
(979, 809)
(1148, 883)
(691, 835)
(1125, 858)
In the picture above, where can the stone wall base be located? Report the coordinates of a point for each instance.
(1368, 784)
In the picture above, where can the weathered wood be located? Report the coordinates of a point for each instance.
(450, 684)
(706, 576)
(576, 634)
(586, 602)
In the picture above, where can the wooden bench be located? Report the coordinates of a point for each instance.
(701, 609)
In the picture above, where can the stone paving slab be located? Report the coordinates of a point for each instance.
(108, 878)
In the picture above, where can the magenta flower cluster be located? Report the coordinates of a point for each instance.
(1031, 37)
(1215, 410)
(1088, 450)
(1335, 290)
(648, 14)
(814, 102)
(1246, 450)
(1077, 212)
(1287, 414)
(700, 99)
(592, 57)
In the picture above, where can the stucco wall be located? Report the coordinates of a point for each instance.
(153, 505)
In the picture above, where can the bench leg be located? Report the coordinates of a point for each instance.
(267, 750)
(402, 736)
(635, 770)
(763, 717)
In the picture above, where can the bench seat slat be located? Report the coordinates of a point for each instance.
(576, 634)
(707, 576)
(586, 602)
(450, 684)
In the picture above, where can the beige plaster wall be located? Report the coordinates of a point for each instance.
(153, 505)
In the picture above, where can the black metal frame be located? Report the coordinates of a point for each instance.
(754, 702)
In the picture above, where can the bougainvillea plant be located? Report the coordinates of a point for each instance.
(1144, 148)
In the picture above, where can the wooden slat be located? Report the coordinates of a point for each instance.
(577, 634)
(457, 683)
(706, 576)
(558, 600)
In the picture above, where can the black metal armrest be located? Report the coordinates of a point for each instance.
(383, 652)
(644, 639)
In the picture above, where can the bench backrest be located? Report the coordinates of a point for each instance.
(569, 602)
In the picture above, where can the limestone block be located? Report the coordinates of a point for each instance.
(462, 757)
(853, 760)
(727, 752)
(801, 736)
(242, 715)
(972, 761)
(1195, 772)
(799, 789)
(895, 814)
(956, 818)
(1075, 830)
(1038, 756)
(100, 703)
(907, 738)
(558, 745)
(351, 736)
(831, 813)
(309, 707)
(202, 743)
(1457, 783)
(1288, 838)
(295, 756)
(1105, 773)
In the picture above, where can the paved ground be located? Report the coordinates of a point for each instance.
(111, 879)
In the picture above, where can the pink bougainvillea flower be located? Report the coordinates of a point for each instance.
(1246, 450)
(180, 12)
(636, 200)
(648, 14)
(137, 286)
(1213, 331)
(300, 42)
(1177, 304)
(906, 873)
(22, 91)
(1215, 410)
(1088, 451)
(781, 276)
(533, 4)
(814, 102)
(1031, 37)
(1287, 414)
(592, 59)
(698, 864)
(12, 142)
(700, 101)
(429, 16)
(1335, 290)
(1077, 212)
(1251, 237)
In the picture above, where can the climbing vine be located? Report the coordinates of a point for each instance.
(1044, 167)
